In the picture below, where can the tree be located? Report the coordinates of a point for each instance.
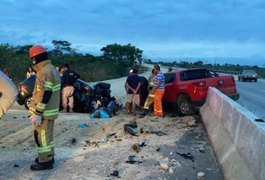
(22, 49)
(126, 53)
(198, 63)
(61, 47)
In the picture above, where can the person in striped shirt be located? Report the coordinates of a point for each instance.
(159, 91)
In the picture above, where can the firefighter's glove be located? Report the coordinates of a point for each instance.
(36, 120)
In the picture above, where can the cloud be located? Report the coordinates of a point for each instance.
(161, 26)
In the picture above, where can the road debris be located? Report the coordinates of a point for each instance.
(105, 139)
(131, 128)
(164, 164)
(82, 125)
(259, 120)
(133, 160)
(16, 166)
(136, 147)
(186, 156)
(159, 133)
(115, 173)
(200, 175)
(73, 140)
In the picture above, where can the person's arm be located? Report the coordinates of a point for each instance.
(138, 86)
(47, 86)
(129, 87)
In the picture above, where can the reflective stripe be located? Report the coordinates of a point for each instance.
(32, 110)
(51, 112)
(39, 88)
(41, 106)
(44, 149)
(151, 95)
(56, 87)
(52, 144)
(48, 84)
(43, 138)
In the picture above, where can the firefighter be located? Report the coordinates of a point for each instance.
(152, 84)
(44, 108)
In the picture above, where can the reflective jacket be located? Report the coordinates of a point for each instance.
(47, 79)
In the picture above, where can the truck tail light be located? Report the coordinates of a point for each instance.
(22, 87)
(200, 84)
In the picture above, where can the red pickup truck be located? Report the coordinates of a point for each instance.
(188, 88)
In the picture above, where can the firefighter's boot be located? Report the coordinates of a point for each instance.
(42, 166)
(37, 160)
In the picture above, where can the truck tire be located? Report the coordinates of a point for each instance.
(27, 102)
(184, 106)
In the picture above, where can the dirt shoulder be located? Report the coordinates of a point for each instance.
(81, 151)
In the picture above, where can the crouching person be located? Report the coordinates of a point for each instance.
(44, 108)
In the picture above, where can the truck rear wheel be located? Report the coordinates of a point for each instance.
(27, 102)
(184, 106)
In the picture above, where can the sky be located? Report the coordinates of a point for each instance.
(226, 31)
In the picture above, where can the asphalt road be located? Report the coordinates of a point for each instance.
(252, 96)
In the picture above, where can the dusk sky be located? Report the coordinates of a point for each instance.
(167, 29)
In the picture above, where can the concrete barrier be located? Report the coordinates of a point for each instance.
(237, 139)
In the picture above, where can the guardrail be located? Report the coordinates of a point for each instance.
(232, 72)
(237, 137)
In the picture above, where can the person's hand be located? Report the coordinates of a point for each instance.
(36, 120)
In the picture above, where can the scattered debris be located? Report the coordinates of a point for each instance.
(159, 133)
(136, 147)
(259, 120)
(115, 173)
(200, 175)
(16, 166)
(202, 150)
(170, 171)
(175, 162)
(143, 144)
(82, 125)
(186, 156)
(131, 128)
(164, 164)
(132, 160)
(157, 149)
(105, 139)
(73, 141)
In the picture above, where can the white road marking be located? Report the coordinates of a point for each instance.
(262, 91)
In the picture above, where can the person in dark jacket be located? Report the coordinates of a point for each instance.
(132, 87)
(68, 79)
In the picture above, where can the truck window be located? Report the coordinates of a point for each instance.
(170, 77)
(194, 74)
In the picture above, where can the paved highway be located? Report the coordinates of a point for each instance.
(252, 96)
